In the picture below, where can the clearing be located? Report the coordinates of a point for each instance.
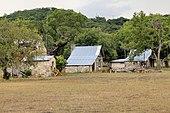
(88, 93)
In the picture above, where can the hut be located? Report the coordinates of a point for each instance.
(43, 66)
(133, 62)
(85, 59)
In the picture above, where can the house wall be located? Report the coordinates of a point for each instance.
(43, 68)
(16, 70)
(76, 69)
(98, 63)
(126, 65)
(117, 65)
(40, 68)
(132, 65)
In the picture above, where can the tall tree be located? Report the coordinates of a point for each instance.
(94, 36)
(16, 42)
(146, 32)
(61, 27)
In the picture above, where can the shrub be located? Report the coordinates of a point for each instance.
(60, 63)
(26, 73)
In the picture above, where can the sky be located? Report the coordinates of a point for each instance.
(91, 8)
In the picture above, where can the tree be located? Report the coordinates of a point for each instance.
(61, 27)
(92, 37)
(146, 32)
(107, 26)
(16, 42)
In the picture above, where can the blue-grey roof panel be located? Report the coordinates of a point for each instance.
(120, 60)
(144, 56)
(83, 55)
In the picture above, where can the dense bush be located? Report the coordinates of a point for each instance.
(26, 73)
(61, 62)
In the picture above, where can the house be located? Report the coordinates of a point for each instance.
(85, 59)
(43, 66)
(133, 62)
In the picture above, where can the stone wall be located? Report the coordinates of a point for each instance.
(40, 68)
(43, 68)
(98, 63)
(132, 65)
(76, 69)
(117, 65)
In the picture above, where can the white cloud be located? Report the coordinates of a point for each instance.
(91, 8)
(148, 6)
(108, 9)
(9, 6)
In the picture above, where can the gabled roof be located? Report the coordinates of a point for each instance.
(144, 56)
(83, 55)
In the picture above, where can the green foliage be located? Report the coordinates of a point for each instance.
(33, 14)
(61, 27)
(16, 42)
(35, 17)
(107, 26)
(91, 37)
(61, 62)
(26, 73)
(146, 32)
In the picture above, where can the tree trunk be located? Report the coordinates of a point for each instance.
(6, 75)
(166, 64)
(158, 60)
(158, 66)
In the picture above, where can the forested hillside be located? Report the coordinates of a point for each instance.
(34, 14)
(61, 28)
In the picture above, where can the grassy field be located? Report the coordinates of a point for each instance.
(88, 93)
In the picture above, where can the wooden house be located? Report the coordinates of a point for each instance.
(85, 59)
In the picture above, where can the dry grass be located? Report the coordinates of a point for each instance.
(88, 93)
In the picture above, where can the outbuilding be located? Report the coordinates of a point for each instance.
(43, 66)
(85, 59)
(133, 62)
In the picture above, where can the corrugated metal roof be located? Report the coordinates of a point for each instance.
(83, 55)
(144, 56)
(120, 60)
(42, 58)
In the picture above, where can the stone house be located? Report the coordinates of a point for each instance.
(43, 66)
(144, 60)
(85, 59)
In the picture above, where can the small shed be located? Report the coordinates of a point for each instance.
(85, 59)
(43, 65)
(138, 61)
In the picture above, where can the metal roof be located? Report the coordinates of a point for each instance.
(83, 55)
(144, 56)
(42, 58)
